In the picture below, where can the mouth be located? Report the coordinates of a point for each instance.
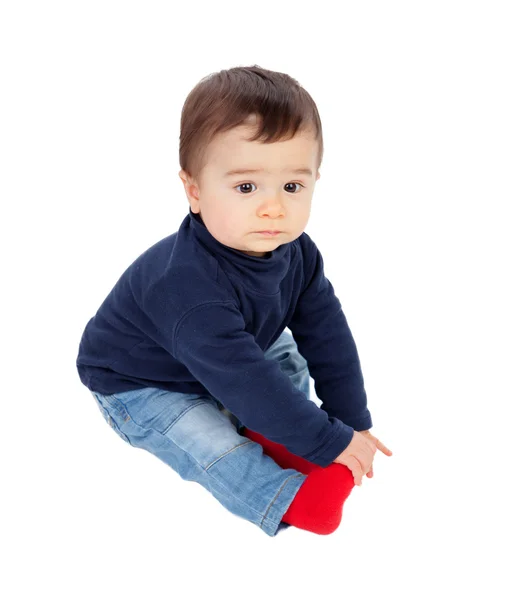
(269, 233)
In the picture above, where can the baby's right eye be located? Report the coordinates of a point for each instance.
(243, 184)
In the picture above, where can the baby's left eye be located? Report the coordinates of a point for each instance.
(295, 183)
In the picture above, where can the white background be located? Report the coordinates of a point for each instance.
(410, 216)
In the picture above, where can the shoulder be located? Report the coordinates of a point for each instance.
(309, 253)
(175, 281)
(306, 243)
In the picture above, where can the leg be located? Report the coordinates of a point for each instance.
(292, 363)
(190, 434)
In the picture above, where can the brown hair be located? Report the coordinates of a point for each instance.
(225, 99)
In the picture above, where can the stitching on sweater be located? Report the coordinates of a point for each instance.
(191, 310)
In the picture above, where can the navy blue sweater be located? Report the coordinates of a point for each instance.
(193, 315)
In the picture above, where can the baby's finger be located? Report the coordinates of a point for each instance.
(355, 466)
(383, 448)
(366, 460)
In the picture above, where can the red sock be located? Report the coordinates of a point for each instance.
(318, 505)
(279, 453)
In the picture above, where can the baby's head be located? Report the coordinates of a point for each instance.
(250, 118)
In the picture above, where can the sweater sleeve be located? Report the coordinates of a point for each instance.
(324, 339)
(212, 342)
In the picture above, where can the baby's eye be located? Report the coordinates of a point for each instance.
(248, 184)
(244, 185)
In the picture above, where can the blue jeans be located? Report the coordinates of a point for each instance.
(201, 440)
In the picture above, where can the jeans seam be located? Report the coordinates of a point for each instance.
(276, 497)
(219, 483)
(129, 417)
(181, 415)
(227, 452)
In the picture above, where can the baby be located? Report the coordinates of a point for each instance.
(188, 357)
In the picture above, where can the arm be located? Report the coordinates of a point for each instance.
(211, 341)
(324, 339)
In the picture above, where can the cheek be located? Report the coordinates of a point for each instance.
(232, 224)
(227, 222)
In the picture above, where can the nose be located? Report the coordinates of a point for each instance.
(272, 208)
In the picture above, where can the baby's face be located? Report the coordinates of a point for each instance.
(236, 207)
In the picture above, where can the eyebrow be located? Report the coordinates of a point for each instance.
(302, 170)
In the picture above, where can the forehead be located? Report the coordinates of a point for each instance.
(232, 153)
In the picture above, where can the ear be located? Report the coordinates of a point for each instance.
(191, 190)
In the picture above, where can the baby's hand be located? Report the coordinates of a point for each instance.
(379, 446)
(358, 456)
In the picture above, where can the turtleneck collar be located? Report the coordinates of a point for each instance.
(273, 266)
